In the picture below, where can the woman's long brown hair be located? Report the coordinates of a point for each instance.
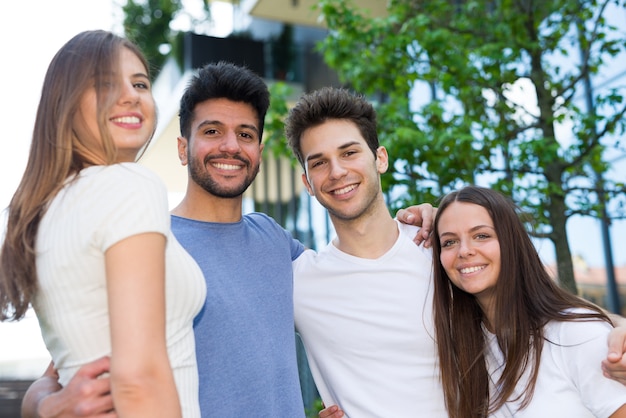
(526, 300)
(60, 148)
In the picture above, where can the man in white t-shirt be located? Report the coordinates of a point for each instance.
(362, 304)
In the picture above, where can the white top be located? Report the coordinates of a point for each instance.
(368, 331)
(102, 206)
(570, 382)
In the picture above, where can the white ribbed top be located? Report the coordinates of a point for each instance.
(102, 206)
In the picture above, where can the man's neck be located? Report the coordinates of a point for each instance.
(369, 236)
(202, 206)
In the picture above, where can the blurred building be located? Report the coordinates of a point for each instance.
(592, 282)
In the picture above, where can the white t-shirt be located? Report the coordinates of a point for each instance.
(368, 331)
(99, 208)
(570, 383)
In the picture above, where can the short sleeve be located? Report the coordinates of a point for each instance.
(132, 200)
(583, 346)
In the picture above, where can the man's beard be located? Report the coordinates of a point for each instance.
(200, 176)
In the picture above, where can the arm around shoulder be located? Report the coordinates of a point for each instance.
(419, 215)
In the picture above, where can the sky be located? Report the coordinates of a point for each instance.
(30, 34)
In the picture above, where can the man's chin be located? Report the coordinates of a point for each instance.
(227, 193)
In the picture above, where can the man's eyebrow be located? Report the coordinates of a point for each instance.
(314, 156)
(341, 147)
(349, 144)
(208, 122)
(252, 127)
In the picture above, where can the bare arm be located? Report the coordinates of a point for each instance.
(86, 395)
(142, 382)
(419, 215)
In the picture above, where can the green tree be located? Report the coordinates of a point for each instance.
(148, 24)
(471, 56)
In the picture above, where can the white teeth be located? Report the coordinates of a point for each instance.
(226, 166)
(471, 269)
(345, 189)
(127, 119)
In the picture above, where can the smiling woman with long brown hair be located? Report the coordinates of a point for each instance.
(88, 242)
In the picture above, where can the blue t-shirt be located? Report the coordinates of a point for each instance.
(245, 339)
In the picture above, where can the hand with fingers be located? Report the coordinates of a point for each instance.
(332, 411)
(419, 215)
(614, 366)
(88, 394)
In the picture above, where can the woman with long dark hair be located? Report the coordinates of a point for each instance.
(511, 342)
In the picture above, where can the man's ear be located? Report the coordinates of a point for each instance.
(182, 143)
(306, 183)
(382, 160)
